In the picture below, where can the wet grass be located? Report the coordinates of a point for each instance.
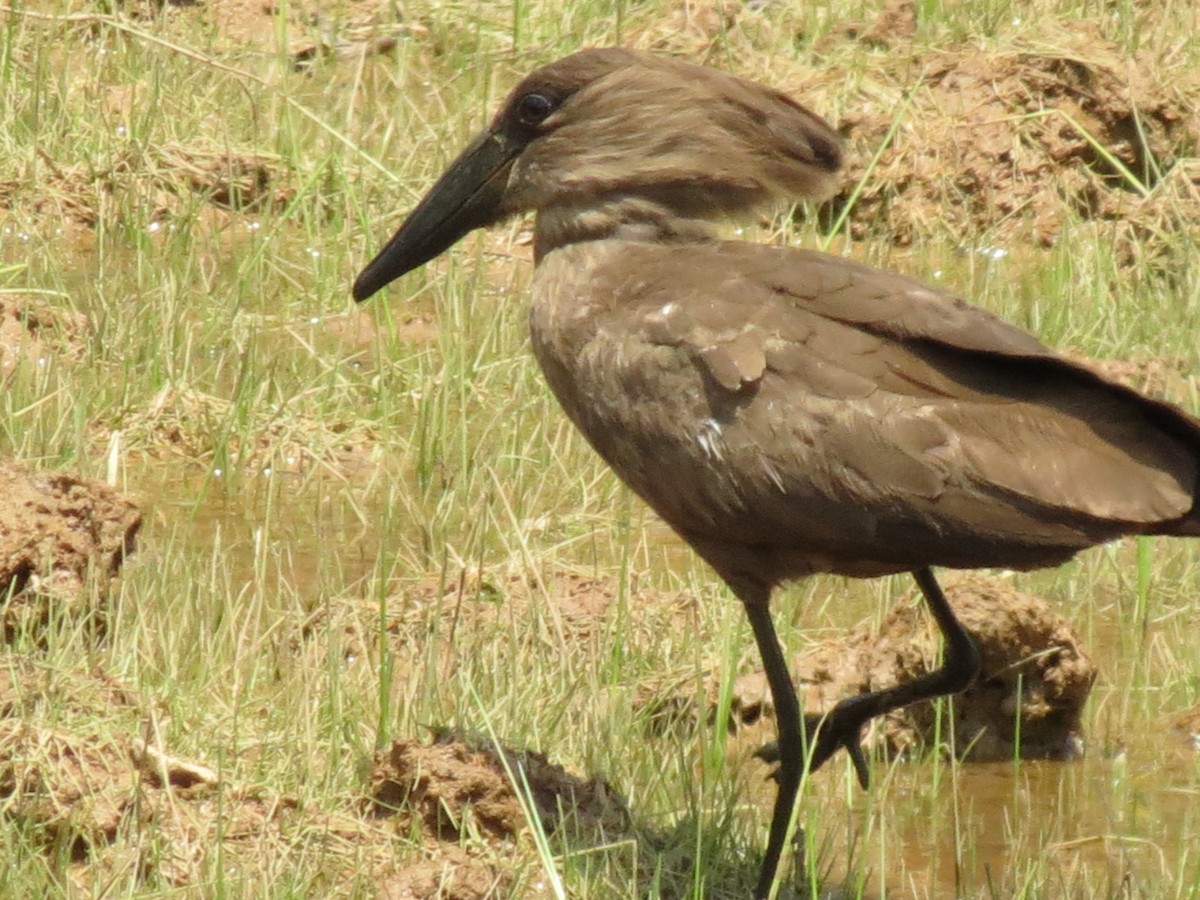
(310, 469)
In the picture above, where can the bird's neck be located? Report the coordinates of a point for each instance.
(624, 218)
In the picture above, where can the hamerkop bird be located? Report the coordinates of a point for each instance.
(785, 411)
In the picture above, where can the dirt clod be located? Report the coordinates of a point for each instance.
(1007, 146)
(895, 24)
(1027, 701)
(450, 780)
(57, 528)
(449, 873)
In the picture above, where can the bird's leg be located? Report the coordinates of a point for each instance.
(787, 720)
(842, 726)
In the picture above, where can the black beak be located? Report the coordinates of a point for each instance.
(466, 197)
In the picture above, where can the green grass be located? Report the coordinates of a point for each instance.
(319, 485)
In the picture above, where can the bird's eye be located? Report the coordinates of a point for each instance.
(533, 108)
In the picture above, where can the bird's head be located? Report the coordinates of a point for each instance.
(610, 138)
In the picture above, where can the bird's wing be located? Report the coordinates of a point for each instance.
(842, 386)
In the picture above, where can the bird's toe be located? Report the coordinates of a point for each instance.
(824, 734)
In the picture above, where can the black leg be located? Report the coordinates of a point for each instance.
(791, 746)
(842, 726)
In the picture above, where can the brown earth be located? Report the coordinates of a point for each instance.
(1007, 146)
(58, 533)
(446, 872)
(56, 529)
(1033, 686)
(443, 783)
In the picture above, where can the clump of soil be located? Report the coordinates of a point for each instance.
(56, 529)
(1026, 702)
(456, 788)
(33, 330)
(48, 780)
(447, 873)
(895, 25)
(450, 781)
(1007, 145)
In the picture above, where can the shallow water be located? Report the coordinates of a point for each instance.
(1123, 816)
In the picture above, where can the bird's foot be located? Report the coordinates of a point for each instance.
(824, 734)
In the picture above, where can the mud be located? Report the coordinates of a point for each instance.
(1027, 702)
(58, 533)
(457, 788)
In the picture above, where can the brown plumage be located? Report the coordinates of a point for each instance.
(788, 412)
